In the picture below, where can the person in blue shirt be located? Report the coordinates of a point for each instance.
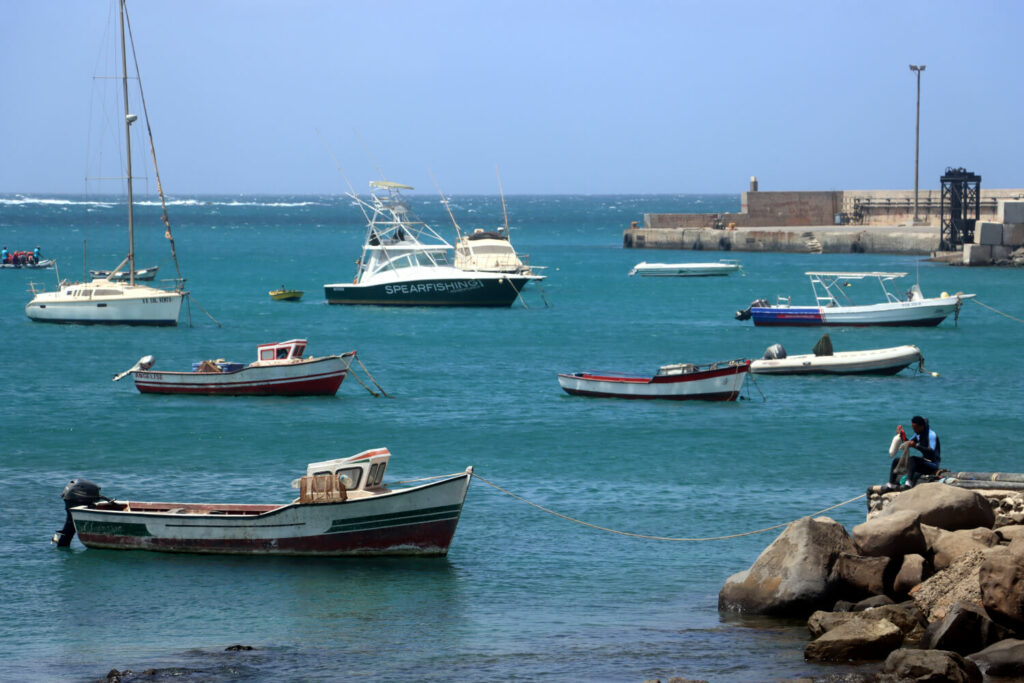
(5, 255)
(926, 442)
(36, 254)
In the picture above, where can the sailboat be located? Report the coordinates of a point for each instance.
(117, 298)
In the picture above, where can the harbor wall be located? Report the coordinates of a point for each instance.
(838, 221)
(805, 239)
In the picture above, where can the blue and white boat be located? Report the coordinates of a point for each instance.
(835, 307)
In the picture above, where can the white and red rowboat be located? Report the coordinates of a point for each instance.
(343, 509)
(720, 381)
(280, 370)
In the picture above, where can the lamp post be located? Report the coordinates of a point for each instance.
(917, 132)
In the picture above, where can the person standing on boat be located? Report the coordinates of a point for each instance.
(37, 254)
(926, 441)
(6, 255)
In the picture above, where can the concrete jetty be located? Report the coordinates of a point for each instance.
(839, 221)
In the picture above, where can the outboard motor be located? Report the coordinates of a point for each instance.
(774, 352)
(745, 313)
(77, 492)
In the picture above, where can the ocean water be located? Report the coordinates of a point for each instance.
(522, 595)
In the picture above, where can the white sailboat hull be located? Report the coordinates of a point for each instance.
(887, 361)
(128, 306)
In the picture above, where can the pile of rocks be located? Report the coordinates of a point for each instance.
(927, 584)
(1014, 258)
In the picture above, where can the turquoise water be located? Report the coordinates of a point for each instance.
(522, 595)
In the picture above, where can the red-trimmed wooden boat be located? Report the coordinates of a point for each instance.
(719, 381)
(280, 370)
(343, 508)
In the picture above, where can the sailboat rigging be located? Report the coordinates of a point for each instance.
(117, 298)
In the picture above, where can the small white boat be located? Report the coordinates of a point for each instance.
(279, 370)
(824, 361)
(343, 508)
(144, 274)
(723, 267)
(491, 251)
(835, 307)
(720, 381)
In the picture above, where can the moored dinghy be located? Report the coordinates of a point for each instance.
(719, 381)
(343, 508)
(825, 361)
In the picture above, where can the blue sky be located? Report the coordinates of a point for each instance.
(589, 97)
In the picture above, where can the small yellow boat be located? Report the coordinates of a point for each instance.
(285, 294)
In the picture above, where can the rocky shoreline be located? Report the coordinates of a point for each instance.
(929, 588)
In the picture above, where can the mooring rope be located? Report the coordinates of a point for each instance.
(655, 538)
(994, 310)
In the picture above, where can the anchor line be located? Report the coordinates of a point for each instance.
(656, 538)
(994, 310)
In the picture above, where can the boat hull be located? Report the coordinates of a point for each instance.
(871, 362)
(722, 384)
(416, 521)
(684, 269)
(314, 377)
(41, 265)
(493, 292)
(286, 295)
(156, 308)
(923, 313)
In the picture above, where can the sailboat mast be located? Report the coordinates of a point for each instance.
(128, 151)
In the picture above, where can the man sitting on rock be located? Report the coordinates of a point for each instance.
(924, 440)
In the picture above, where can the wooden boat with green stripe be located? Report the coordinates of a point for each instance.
(343, 508)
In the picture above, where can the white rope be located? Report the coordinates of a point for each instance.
(658, 538)
(1005, 315)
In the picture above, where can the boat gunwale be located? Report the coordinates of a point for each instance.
(276, 510)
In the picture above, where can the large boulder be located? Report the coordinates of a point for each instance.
(965, 629)
(957, 583)
(1004, 659)
(934, 666)
(791, 576)
(891, 534)
(1001, 580)
(855, 577)
(949, 545)
(913, 570)
(855, 640)
(946, 507)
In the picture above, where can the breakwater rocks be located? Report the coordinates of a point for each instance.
(931, 584)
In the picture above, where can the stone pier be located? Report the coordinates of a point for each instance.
(838, 222)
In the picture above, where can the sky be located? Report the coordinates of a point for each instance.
(561, 97)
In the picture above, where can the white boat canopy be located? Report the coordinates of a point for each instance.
(388, 185)
(855, 276)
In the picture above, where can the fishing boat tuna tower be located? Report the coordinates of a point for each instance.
(405, 262)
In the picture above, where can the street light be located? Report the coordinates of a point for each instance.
(917, 133)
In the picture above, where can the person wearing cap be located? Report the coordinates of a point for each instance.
(926, 442)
